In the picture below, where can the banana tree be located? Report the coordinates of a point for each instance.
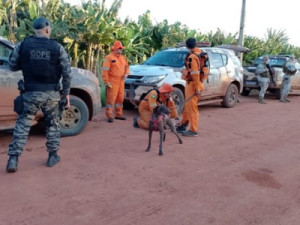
(256, 46)
(8, 19)
(275, 40)
(135, 42)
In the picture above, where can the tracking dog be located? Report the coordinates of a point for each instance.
(159, 120)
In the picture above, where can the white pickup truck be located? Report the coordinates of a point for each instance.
(224, 84)
(276, 62)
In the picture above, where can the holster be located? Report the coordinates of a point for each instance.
(21, 86)
(19, 104)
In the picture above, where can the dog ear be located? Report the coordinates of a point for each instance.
(161, 108)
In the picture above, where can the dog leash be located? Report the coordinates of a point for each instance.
(189, 98)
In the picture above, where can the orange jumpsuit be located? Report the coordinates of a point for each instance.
(149, 103)
(193, 83)
(114, 71)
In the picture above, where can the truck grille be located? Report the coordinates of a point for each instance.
(127, 86)
(136, 77)
(133, 79)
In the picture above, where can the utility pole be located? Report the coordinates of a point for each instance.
(242, 25)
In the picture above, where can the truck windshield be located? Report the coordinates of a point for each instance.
(167, 58)
(272, 61)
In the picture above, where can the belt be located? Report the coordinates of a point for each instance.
(42, 87)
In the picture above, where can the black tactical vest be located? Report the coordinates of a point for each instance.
(40, 63)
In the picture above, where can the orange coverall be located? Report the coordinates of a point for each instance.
(114, 71)
(193, 83)
(149, 103)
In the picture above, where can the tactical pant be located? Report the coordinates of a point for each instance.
(48, 102)
(264, 84)
(190, 113)
(115, 97)
(285, 87)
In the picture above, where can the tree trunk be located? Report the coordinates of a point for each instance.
(75, 52)
(12, 25)
(89, 56)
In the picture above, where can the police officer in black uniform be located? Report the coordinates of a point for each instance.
(43, 62)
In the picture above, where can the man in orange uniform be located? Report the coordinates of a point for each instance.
(151, 100)
(193, 87)
(114, 72)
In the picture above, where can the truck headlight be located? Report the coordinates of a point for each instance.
(153, 79)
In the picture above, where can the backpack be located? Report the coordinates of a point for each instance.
(146, 93)
(289, 68)
(204, 66)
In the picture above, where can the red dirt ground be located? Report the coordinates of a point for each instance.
(243, 169)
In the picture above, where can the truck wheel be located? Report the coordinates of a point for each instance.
(178, 98)
(231, 96)
(245, 92)
(75, 118)
(277, 93)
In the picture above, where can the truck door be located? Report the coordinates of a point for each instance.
(8, 87)
(295, 79)
(218, 70)
(208, 84)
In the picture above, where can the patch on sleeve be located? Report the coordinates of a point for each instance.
(153, 96)
(105, 60)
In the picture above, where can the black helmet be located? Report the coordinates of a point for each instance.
(190, 43)
(40, 23)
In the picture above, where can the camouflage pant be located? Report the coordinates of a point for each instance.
(33, 101)
(264, 84)
(285, 87)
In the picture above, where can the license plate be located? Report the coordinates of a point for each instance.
(250, 82)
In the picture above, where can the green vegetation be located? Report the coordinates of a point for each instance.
(88, 31)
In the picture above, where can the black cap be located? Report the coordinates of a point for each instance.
(191, 43)
(40, 23)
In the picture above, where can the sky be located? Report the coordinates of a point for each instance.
(209, 15)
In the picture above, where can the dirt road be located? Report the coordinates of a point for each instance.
(243, 169)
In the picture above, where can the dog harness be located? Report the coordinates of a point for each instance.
(157, 120)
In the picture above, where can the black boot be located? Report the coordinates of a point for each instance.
(12, 164)
(120, 118)
(110, 120)
(181, 129)
(52, 159)
(261, 101)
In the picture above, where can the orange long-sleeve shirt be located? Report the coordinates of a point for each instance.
(153, 100)
(115, 66)
(193, 66)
